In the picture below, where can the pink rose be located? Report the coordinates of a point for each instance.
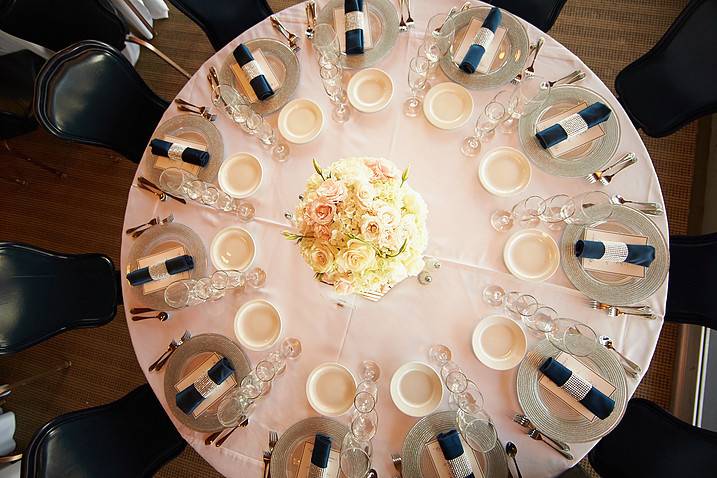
(381, 168)
(332, 191)
(322, 233)
(321, 212)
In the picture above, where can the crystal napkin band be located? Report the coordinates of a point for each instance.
(252, 69)
(204, 385)
(355, 21)
(573, 125)
(161, 270)
(317, 472)
(612, 251)
(484, 37)
(577, 387)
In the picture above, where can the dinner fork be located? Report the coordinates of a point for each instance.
(291, 38)
(402, 27)
(517, 79)
(149, 185)
(623, 162)
(602, 306)
(157, 366)
(166, 220)
(203, 113)
(211, 438)
(616, 312)
(571, 77)
(525, 422)
(151, 222)
(397, 463)
(530, 71)
(536, 435)
(409, 20)
(266, 457)
(242, 424)
(273, 439)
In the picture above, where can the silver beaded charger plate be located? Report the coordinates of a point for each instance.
(284, 65)
(510, 58)
(384, 31)
(186, 358)
(582, 160)
(417, 462)
(196, 129)
(617, 289)
(551, 415)
(161, 238)
(286, 457)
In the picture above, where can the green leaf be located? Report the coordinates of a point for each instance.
(404, 176)
(317, 168)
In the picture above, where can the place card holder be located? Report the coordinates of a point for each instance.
(441, 465)
(217, 394)
(340, 27)
(332, 469)
(162, 162)
(621, 268)
(573, 143)
(490, 57)
(243, 81)
(585, 372)
(156, 285)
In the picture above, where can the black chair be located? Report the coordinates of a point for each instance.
(91, 94)
(132, 437)
(43, 293)
(652, 443)
(574, 472)
(693, 262)
(541, 13)
(224, 20)
(673, 83)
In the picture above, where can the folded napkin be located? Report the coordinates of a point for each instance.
(253, 72)
(452, 449)
(574, 124)
(161, 270)
(481, 41)
(579, 388)
(179, 152)
(609, 251)
(320, 456)
(354, 25)
(190, 398)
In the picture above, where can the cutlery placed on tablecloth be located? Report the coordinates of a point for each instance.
(173, 346)
(166, 220)
(519, 76)
(310, 19)
(160, 194)
(451, 12)
(651, 208)
(212, 438)
(525, 422)
(290, 37)
(273, 440)
(568, 79)
(630, 367)
(530, 71)
(142, 310)
(602, 306)
(401, 23)
(151, 222)
(150, 186)
(201, 112)
(409, 19)
(511, 450)
(162, 316)
(241, 424)
(536, 435)
(266, 458)
(617, 312)
(622, 163)
(397, 463)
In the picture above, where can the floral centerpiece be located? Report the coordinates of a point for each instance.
(360, 227)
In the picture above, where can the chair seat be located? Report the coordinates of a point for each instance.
(541, 13)
(19, 70)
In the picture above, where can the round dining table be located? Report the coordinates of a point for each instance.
(412, 316)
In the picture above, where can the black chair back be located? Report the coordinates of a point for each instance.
(224, 20)
(693, 277)
(673, 83)
(650, 442)
(91, 94)
(56, 24)
(541, 13)
(43, 293)
(16, 85)
(132, 437)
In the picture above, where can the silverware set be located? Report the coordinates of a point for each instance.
(161, 316)
(533, 50)
(310, 19)
(558, 445)
(147, 185)
(619, 312)
(137, 231)
(402, 26)
(600, 176)
(273, 439)
(631, 368)
(397, 463)
(173, 346)
(204, 111)
(651, 208)
(290, 37)
(243, 422)
(530, 71)
(569, 79)
(637, 308)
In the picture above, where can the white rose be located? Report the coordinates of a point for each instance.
(414, 203)
(371, 228)
(388, 216)
(320, 257)
(365, 193)
(357, 256)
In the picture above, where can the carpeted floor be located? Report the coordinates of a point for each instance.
(84, 212)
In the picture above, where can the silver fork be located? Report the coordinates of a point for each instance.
(525, 422)
(571, 77)
(530, 71)
(595, 177)
(602, 306)
(519, 76)
(178, 343)
(202, 112)
(536, 435)
(409, 20)
(293, 39)
(397, 463)
(617, 312)
(166, 220)
(402, 27)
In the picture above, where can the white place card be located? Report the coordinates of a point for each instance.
(585, 372)
(340, 27)
(332, 469)
(218, 393)
(244, 81)
(441, 465)
(622, 268)
(155, 285)
(576, 141)
(491, 54)
(163, 162)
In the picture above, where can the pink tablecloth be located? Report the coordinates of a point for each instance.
(405, 323)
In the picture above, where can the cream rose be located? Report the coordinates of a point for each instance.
(371, 228)
(332, 191)
(320, 257)
(357, 256)
(321, 212)
(388, 216)
(365, 194)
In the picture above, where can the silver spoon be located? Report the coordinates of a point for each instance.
(630, 367)
(512, 450)
(647, 207)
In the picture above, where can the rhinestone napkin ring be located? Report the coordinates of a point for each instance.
(158, 271)
(205, 385)
(573, 125)
(577, 387)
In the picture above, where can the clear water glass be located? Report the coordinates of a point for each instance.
(430, 50)
(494, 295)
(265, 371)
(181, 294)
(256, 277)
(354, 462)
(469, 401)
(291, 348)
(484, 129)
(558, 209)
(441, 30)
(531, 93)
(589, 208)
(364, 401)
(573, 337)
(232, 408)
(370, 371)
(520, 305)
(542, 320)
(277, 360)
(325, 42)
(175, 180)
(364, 425)
(478, 431)
(245, 211)
(527, 212)
(502, 220)
(439, 354)
(417, 76)
(456, 381)
(447, 368)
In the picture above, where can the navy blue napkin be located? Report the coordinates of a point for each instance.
(189, 155)
(321, 451)
(475, 52)
(354, 38)
(593, 115)
(452, 448)
(636, 254)
(174, 265)
(595, 401)
(190, 398)
(259, 84)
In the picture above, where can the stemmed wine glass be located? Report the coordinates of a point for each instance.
(417, 77)
(526, 213)
(326, 44)
(588, 208)
(519, 305)
(332, 79)
(558, 209)
(493, 295)
(484, 129)
(530, 94)
(439, 354)
(265, 133)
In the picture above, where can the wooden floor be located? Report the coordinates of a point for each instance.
(84, 212)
